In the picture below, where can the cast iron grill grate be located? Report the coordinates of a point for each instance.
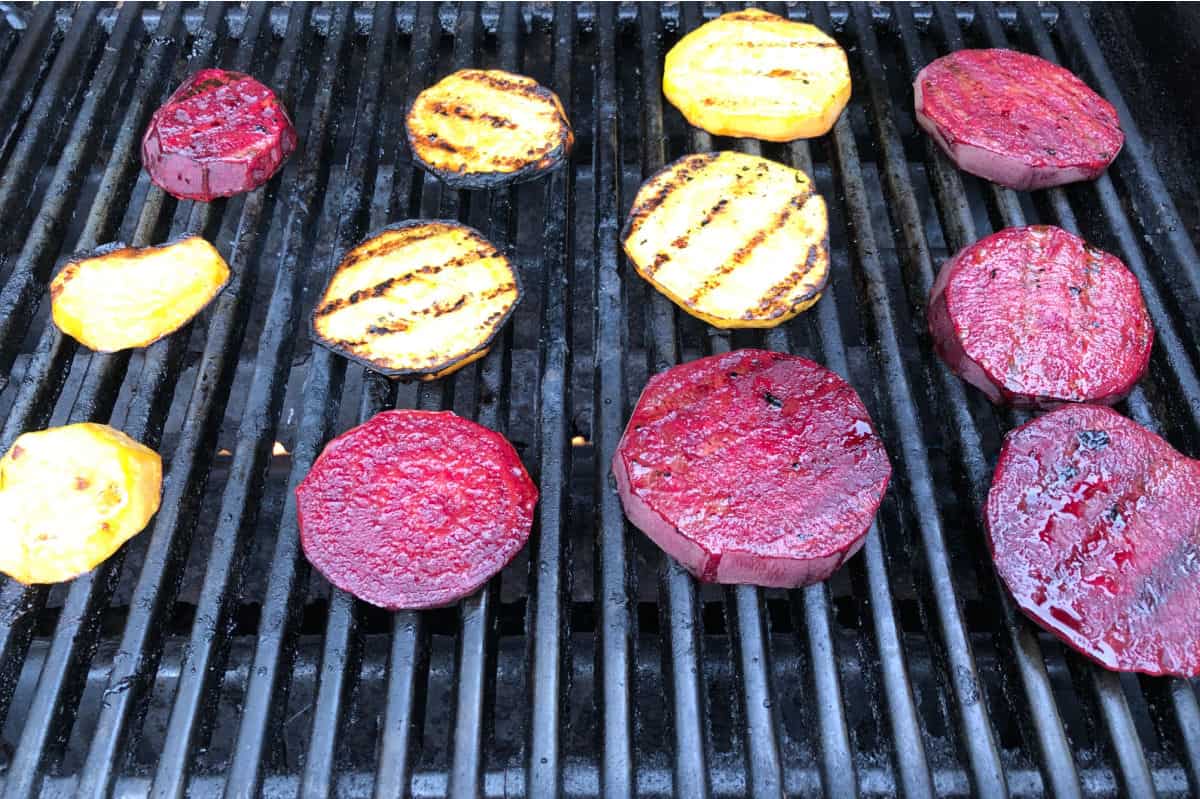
(206, 660)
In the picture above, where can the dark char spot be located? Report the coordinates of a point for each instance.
(1093, 440)
(772, 400)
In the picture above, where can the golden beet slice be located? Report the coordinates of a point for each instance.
(752, 73)
(477, 129)
(122, 297)
(417, 299)
(70, 496)
(733, 239)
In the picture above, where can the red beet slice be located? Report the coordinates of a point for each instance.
(1035, 317)
(752, 467)
(221, 133)
(1093, 525)
(1016, 119)
(415, 509)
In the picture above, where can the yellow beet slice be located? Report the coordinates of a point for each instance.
(418, 299)
(752, 73)
(123, 297)
(70, 496)
(733, 239)
(478, 129)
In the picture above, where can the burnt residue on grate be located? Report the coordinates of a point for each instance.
(207, 659)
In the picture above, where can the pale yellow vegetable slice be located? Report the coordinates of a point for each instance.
(125, 297)
(733, 239)
(70, 497)
(752, 73)
(418, 299)
(482, 128)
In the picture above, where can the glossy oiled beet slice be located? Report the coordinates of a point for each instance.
(221, 133)
(1016, 119)
(752, 467)
(1093, 522)
(415, 509)
(1033, 316)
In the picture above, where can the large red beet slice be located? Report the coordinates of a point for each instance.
(1093, 524)
(1033, 316)
(1016, 119)
(221, 133)
(415, 509)
(752, 467)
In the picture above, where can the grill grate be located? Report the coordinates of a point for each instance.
(205, 659)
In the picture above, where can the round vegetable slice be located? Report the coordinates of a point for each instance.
(1033, 316)
(120, 297)
(1092, 522)
(733, 239)
(70, 496)
(752, 467)
(415, 509)
(477, 129)
(1016, 119)
(221, 133)
(418, 299)
(752, 73)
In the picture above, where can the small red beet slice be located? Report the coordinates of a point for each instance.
(1016, 119)
(415, 509)
(752, 467)
(221, 133)
(1093, 522)
(1034, 317)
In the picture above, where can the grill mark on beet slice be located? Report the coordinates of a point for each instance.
(752, 467)
(220, 133)
(415, 509)
(1099, 544)
(1033, 316)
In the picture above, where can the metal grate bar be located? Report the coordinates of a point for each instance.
(35, 44)
(70, 61)
(61, 680)
(977, 734)
(615, 623)
(342, 646)
(408, 657)
(749, 640)
(1183, 699)
(267, 687)
(44, 376)
(549, 585)
(1146, 190)
(1114, 706)
(1049, 732)
(17, 301)
(207, 648)
(1182, 696)
(691, 777)
(142, 642)
(477, 637)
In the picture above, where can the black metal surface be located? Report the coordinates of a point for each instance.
(206, 659)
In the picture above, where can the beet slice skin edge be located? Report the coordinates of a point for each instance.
(1033, 316)
(1092, 521)
(415, 509)
(220, 133)
(752, 467)
(1016, 119)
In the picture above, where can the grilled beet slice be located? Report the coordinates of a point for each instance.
(1016, 119)
(1092, 521)
(415, 509)
(1035, 317)
(752, 467)
(221, 133)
